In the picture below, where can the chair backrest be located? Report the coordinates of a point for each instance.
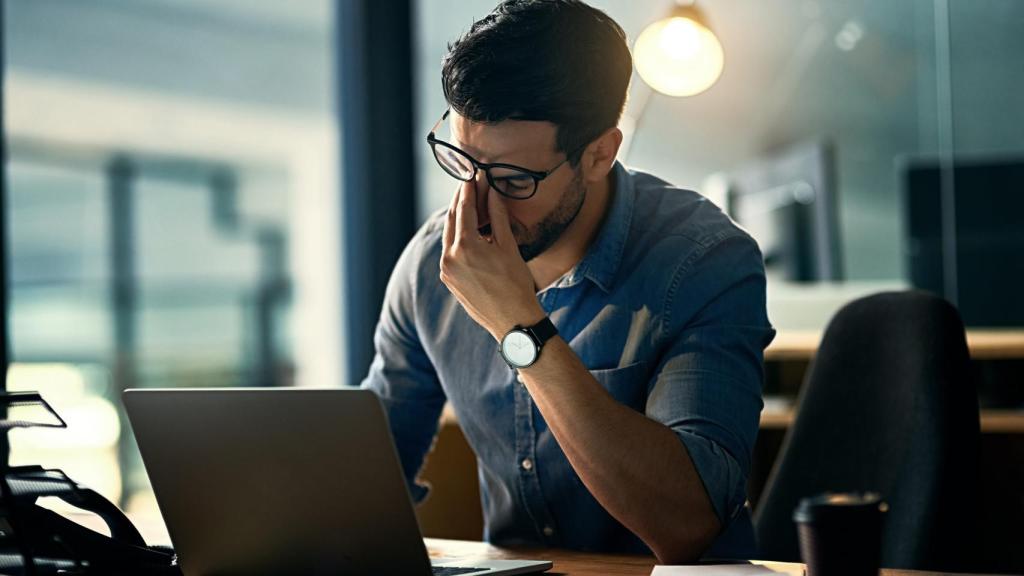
(887, 406)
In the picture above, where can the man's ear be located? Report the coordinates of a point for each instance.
(599, 156)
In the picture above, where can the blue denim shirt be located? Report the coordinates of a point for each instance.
(667, 311)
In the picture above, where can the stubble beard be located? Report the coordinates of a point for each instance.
(535, 241)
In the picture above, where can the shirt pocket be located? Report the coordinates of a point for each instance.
(628, 384)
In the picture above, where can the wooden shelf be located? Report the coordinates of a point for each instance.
(990, 344)
(1002, 421)
(995, 344)
(992, 421)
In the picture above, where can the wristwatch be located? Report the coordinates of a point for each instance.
(521, 346)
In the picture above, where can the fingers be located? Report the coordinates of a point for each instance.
(501, 228)
(448, 236)
(465, 211)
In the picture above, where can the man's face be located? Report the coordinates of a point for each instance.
(539, 221)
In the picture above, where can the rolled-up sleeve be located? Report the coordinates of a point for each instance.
(708, 383)
(401, 374)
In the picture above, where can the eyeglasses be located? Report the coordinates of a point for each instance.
(508, 180)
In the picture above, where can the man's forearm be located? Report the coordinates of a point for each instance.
(637, 468)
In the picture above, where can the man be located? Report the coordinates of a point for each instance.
(631, 313)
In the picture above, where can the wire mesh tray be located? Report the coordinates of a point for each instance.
(27, 410)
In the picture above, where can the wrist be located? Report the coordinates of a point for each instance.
(527, 316)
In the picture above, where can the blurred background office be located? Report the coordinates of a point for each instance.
(183, 177)
(172, 210)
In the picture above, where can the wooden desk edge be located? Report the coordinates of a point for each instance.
(574, 563)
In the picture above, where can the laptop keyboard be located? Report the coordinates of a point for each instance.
(452, 571)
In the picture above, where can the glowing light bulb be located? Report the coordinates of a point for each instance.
(680, 39)
(678, 56)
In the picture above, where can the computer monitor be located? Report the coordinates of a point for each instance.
(787, 201)
(985, 275)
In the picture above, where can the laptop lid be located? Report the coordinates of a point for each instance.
(277, 481)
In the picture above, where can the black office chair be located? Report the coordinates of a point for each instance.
(887, 406)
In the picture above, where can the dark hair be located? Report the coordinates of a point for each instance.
(559, 61)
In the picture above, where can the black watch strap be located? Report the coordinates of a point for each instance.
(542, 331)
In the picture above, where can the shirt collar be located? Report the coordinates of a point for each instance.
(602, 259)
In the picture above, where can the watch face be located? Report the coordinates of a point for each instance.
(518, 349)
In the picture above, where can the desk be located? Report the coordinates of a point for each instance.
(579, 563)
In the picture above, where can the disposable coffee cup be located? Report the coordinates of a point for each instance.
(841, 534)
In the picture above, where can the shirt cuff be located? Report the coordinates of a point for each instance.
(721, 475)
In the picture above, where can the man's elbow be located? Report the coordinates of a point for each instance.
(686, 543)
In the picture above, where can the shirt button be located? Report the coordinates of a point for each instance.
(549, 531)
(527, 464)
(519, 377)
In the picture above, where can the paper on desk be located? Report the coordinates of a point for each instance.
(753, 569)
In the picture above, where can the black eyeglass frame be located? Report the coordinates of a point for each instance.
(537, 176)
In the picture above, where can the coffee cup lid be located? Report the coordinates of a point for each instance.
(846, 503)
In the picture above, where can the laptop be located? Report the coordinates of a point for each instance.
(285, 481)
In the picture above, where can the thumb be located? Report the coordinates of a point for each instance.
(501, 229)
